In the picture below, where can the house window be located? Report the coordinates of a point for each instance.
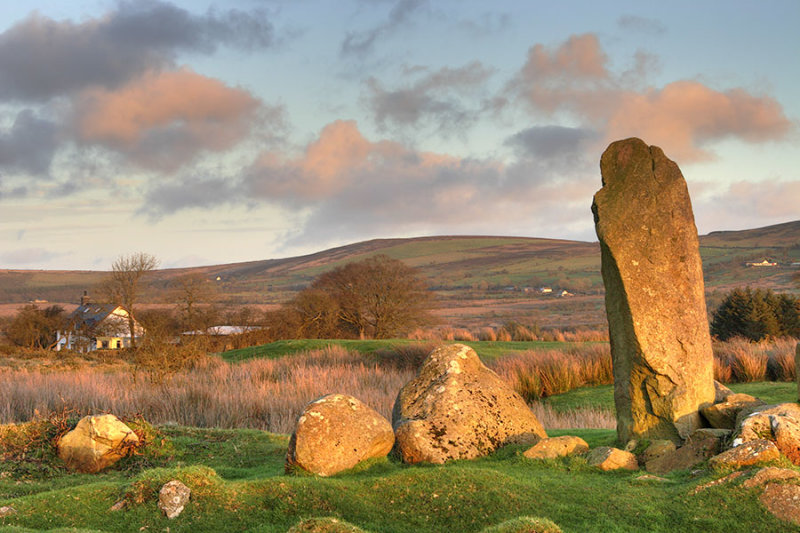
(105, 345)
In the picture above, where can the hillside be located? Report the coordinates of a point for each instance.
(478, 279)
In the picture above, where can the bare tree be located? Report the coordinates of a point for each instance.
(192, 290)
(124, 283)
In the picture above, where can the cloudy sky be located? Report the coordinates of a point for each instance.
(213, 132)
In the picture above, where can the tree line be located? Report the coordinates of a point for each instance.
(756, 314)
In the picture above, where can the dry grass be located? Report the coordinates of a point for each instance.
(583, 418)
(537, 374)
(740, 360)
(265, 394)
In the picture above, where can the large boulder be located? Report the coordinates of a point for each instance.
(658, 326)
(97, 442)
(456, 408)
(335, 433)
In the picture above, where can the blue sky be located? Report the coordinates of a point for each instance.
(209, 132)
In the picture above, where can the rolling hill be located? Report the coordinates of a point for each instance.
(478, 279)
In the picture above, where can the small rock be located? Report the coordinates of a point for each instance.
(658, 448)
(172, 498)
(723, 415)
(7, 511)
(783, 501)
(554, 447)
(770, 474)
(119, 506)
(721, 481)
(607, 458)
(695, 451)
(749, 453)
(710, 433)
(787, 436)
(721, 392)
(631, 445)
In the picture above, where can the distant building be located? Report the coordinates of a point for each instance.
(764, 263)
(545, 290)
(95, 326)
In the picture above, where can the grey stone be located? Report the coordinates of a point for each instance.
(173, 497)
(456, 408)
(660, 342)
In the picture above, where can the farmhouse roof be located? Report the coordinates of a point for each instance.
(91, 314)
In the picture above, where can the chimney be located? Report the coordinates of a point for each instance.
(85, 298)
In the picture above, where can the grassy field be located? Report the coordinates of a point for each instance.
(238, 480)
(486, 350)
(238, 485)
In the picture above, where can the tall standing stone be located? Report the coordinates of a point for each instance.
(655, 301)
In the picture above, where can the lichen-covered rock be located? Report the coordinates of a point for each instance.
(777, 423)
(783, 501)
(723, 415)
(335, 433)
(456, 408)
(607, 458)
(173, 497)
(770, 474)
(655, 302)
(553, 447)
(96, 443)
(747, 454)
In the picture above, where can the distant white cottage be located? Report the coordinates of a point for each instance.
(764, 263)
(95, 326)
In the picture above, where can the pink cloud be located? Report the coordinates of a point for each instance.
(163, 119)
(682, 117)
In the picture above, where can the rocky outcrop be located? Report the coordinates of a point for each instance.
(777, 423)
(554, 447)
(783, 501)
(96, 443)
(456, 408)
(658, 326)
(335, 433)
(607, 458)
(173, 497)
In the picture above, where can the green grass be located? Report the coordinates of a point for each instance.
(602, 396)
(238, 485)
(487, 350)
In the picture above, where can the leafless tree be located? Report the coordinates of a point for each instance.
(191, 291)
(124, 282)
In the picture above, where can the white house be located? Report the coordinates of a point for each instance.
(95, 326)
